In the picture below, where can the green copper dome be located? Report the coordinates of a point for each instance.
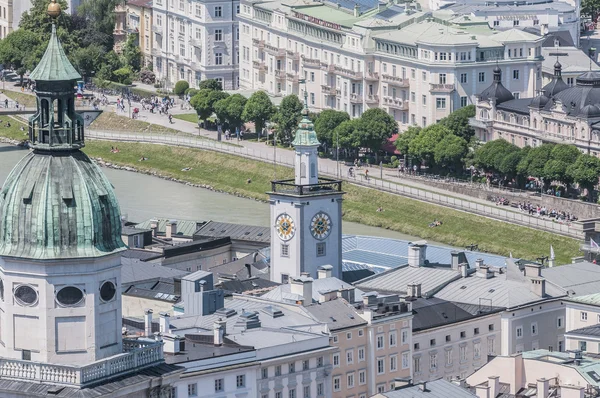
(56, 205)
(306, 135)
(54, 65)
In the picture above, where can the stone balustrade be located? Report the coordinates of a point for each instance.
(137, 355)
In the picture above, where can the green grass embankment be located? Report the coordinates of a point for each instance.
(230, 173)
(28, 100)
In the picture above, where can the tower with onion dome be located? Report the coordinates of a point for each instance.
(306, 213)
(60, 228)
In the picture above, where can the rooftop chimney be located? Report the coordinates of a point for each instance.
(324, 271)
(302, 286)
(219, 329)
(538, 286)
(455, 261)
(165, 324)
(533, 270)
(483, 391)
(483, 271)
(148, 322)
(569, 391)
(463, 268)
(171, 228)
(400, 382)
(356, 10)
(249, 269)
(417, 253)
(414, 290)
(154, 227)
(423, 386)
(347, 294)
(494, 383)
(543, 387)
(172, 343)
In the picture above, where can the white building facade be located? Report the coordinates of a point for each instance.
(195, 40)
(419, 67)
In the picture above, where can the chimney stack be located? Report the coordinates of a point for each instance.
(171, 228)
(533, 270)
(543, 387)
(455, 260)
(148, 322)
(570, 391)
(538, 286)
(302, 286)
(219, 329)
(463, 268)
(494, 384)
(417, 253)
(154, 227)
(356, 10)
(423, 386)
(165, 323)
(414, 290)
(324, 271)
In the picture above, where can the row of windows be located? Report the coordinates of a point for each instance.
(320, 247)
(291, 393)
(463, 335)
(291, 368)
(449, 358)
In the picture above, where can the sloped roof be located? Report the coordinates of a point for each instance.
(514, 36)
(337, 313)
(593, 331)
(592, 299)
(134, 270)
(433, 389)
(434, 312)
(184, 227)
(253, 233)
(54, 65)
(321, 285)
(579, 278)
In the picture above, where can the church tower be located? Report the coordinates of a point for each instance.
(306, 214)
(60, 228)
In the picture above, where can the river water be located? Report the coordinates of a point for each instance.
(142, 197)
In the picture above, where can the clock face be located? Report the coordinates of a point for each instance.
(284, 224)
(320, 225)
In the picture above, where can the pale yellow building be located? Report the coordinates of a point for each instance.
(135, 18)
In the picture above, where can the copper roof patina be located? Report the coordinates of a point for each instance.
(54, 65)
(306, 135)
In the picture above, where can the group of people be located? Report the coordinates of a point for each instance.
(543, 211)
(162, 105)
(435, 223)
(114, 149)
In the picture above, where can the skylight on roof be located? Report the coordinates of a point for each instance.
(463, 287)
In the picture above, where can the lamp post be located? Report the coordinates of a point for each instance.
(337, 154)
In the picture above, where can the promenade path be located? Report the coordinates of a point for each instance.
(384, 179)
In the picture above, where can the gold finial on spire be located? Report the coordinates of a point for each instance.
(54, 10)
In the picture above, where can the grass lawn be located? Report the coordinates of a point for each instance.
(188, 117)
(14, 131)
(112, 122)
(24, 99)
(230, 174)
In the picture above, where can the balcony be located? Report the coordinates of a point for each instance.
(482, 124)
(311, 62)
(259, 43)
(175, 57)
(328, 90)
(395, 103)
(395, 80)
(338, 70)
(372, 76)
(196, 43)
(259, 65)
(136, 356)
(157, 29)
(441, 88)
(280, 74)
(292, 77)
(372, 99)
(277, 52)
(289, 187)
(293, 55)
(356, 98)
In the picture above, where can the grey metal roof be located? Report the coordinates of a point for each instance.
(586, 331)
(337, 313)
(235, 231)
(433, 389)
(509, 289)
(520, 105)
(582, 278)
(133, 270)
(237, 269)
(434, 312)
(572, 59)
(396, 280)
(592, 299)
(185, 228)
(133, 231)
(248, 285)
(319, 286)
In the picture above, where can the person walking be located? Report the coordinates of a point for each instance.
(367, 174)
(170, 118)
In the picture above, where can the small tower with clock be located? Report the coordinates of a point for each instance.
(306, 214)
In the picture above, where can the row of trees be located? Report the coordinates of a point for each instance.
(87, 38)
(550, 163)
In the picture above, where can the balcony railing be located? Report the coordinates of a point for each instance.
(445, 88)
(137, 355)
(292, 77)
(372, 99)
(157, 52)
(373, 76)
(328, 90)
(338, 70)
(293, 55)
(311, 62)
(280, 74)
(157, 29)
(196, 43)
(323, 186)
(278, 52)
(259, 65)
(395, 103)
(395, 80)
(356, 98)
(259, 43)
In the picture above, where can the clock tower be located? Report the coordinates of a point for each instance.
(306, 214)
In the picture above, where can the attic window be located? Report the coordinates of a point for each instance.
(222, 231)
(350, 316)
(246, 233)
(212, 229)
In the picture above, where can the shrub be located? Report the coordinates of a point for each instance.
(147, 76)
(393, 159)
(180, 87)
(191, 92)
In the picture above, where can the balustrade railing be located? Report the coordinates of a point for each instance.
(137, 355)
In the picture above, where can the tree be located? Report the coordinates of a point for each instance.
(88, 59)
(374, 127)
(210, 84)
(345, 133)
(326, 123)
(450, 151)
(112, 62)
(423, 145)
(123, 75)
(287, 117)
(37, 21)
(181, 87)
(16, 51)
(404, 139)
(585, 172)
(590, 8)
(458, 122)
(100, 17)
(231, 110)
(132, 54)
(536, 161)
(259, 109)
(204, 102)
(492, 154)
(561, 157)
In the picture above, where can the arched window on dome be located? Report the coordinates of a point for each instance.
(302, 170)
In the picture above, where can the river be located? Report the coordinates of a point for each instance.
(142, 197)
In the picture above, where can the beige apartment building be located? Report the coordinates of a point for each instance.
(583, 323)
(418, 66)
(135, 18)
